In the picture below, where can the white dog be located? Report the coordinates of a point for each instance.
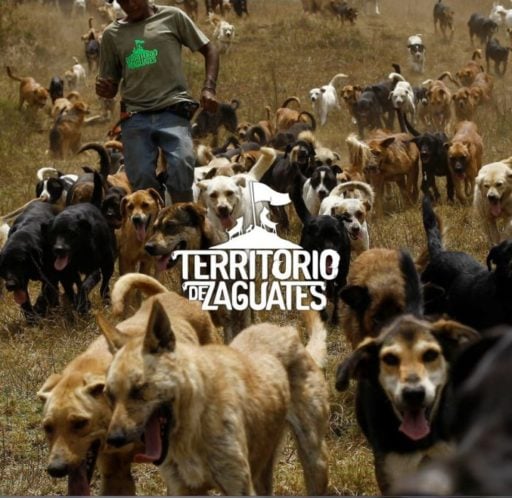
(402, 96)
(416, 53)
(76, 77)
(353, 201)
(325, 98)
(493, 199)
(501, 16)
(223, 33)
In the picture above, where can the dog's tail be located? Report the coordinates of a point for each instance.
(47, 172)
(310, 117)
(289, 100)
(105, 165)
(337, 77)
(55, 141)
(235, 104)
(130, 282)
(395, 77)
(204, 154)
(433, 228)
(477, 54)
(363, 187)
(317, 344)
(91, 21)
(75, 60)
(256, 134)
(412, 286)
(448, 75)
(359, 152)
(268, 110)
(12, 76)
(263, 164)
(308, 136)
(114, 144)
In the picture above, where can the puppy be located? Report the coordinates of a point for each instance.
(56, 88)
(416, 53)
(393, 158)
(443, 15)
(465, 151)
(402, 398)
(66, 132)
(482, 27)
(53, 186)
(325, 98)
(402, 96)
(470, 292)
(77, 393)
(492, 198)
(498, 54)
(223, 33)
(24, 257)
(139, 211)
(82, 242)
(32, 93)
(318, 186)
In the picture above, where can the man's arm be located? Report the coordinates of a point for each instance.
(211, 60)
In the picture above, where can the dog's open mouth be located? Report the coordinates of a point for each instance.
(415, 424)
(156, 436)
(80, 478)
(226, 220)
(141, 228)
(61, 261)
(165, 261)
(495, 206)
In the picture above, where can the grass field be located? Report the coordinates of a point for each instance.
(279, 52)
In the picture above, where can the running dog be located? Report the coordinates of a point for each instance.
(416, 53)
(325, 98)
(32, 93)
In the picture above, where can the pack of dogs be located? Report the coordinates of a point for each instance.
(208, 397)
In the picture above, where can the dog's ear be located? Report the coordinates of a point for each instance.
(387, 142)
(157, 197)
(337, 170)
(196, 212)
(44, 393)
(124, 201)
(360, 364)
(356, 296)
(115, 340)
(495, 254)
(241, 181)
(94, 385)
(210, 174)
(159, 336)
(452, 335)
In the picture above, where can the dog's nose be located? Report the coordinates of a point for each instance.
(150, 248)
(223, 211)
(58, 468)
(117, 438)
(137, 219)
(59, 250)
(413, 396)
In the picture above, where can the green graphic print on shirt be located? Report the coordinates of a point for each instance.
(141, 57)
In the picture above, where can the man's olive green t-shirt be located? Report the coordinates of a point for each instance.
(145, 58)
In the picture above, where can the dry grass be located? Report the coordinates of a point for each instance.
(279, 52)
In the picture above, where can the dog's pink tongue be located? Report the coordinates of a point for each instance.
(415, 425)
(152, 441)
(61, 262)
(161, 262)
(496, 209)
(227, 222)
(20, 296)
(78, 484)
(140, 232)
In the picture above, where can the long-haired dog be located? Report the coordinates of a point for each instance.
(223, 33)
(492, 198)
(465, 151)
(265, 379)
(325, 98)
(33, 94)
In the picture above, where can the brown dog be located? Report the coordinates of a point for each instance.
(350, 94)
(139, 211)
(214, 417)
(467, 74)
(439, 97)
(66, 132)
(77, 413)
(464, 159)
(465, 103)
(286, 117)
(393, 158)
(64, 103)
(31, 92)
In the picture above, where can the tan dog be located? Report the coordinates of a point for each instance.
(31, 92)
(139, 211)
(64, 103)
(482, 86)
(493, 199)
(464, 159)
(465, 103)
(286, 117)
(214, 417)
(66, 132)
(467, 74)
(394, 158)
(77, 413)
(350, 95)
(439, 97)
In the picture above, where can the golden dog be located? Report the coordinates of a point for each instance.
(66, 132)
(31, 92)
(465, 103)
(76, 412)
(64, 103)
(393, 158)
(214, 417)
(493, 198)
(465, 151)
(286, 117)
(139, 211)
(467, 74)
(439, 97)
(350, 94)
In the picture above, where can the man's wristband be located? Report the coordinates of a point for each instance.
(208, 88)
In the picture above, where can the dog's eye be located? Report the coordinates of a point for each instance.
(137, 392)
(430, 355)
(391, 359)
(79, 424)
(214, 195)
(499, 184)
(359, 215)
(129, 207)
(144, 205)
(486, 185)
(229, 193)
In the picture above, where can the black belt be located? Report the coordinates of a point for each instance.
(186, 109)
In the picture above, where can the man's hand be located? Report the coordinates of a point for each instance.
(208, 100)
(106, 87)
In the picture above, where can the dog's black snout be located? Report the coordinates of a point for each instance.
(223, 211)
(60, 250)
(137, 220)
(413, 396)
(58, 468)
(150, 248)
(11, 285)
(117, 438)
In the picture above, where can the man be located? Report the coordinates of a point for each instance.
(142, 53)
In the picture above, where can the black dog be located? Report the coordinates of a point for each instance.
(320, 233)
(240, 7)
(481, 26)
(498, 54)
(92, 52)
(56, 88)
(24, 258)
(473, 294)
(210, 122)
(343, 11)
(54, 189)
(444, 16)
